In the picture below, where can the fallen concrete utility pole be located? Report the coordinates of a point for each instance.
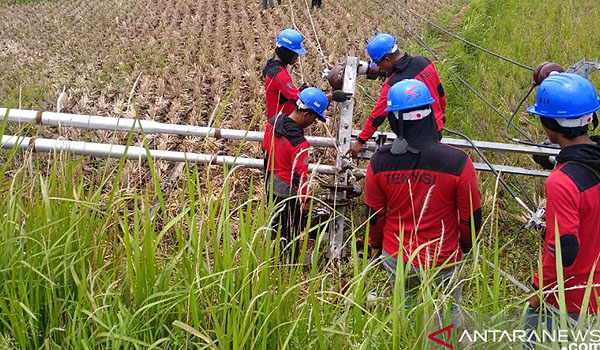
(107, 150)
(152, 127)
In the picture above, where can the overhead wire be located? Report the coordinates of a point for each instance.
(292, 17)
(326, 63)
(440, 28)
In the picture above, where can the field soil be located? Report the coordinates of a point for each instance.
(177, 61)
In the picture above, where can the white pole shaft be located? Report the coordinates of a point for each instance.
(152, 127)
(106, 150)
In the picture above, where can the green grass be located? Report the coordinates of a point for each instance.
(88, 267)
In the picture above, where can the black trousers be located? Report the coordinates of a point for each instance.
(288, 218)
(316, 3)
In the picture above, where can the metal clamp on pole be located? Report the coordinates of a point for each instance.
(344, 139)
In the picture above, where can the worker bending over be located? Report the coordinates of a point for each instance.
(383, 50)
(286, 158)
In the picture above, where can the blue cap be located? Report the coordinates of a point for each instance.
(315, 100)
(380, 45)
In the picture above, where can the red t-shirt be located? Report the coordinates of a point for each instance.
(286, 150)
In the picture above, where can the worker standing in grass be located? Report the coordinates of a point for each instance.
(566, 105)
(422, 197)
(286, 155)
(383, 50)
(280, 91)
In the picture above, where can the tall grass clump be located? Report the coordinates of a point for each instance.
(87, 264)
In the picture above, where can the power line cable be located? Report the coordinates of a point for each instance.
(431, 23)
(519, 184)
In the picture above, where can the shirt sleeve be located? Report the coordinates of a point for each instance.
(469, 204)
(440, 90)
(377, 115)
(562, 216)
(376, 203)
(300, 169)
(286, 87)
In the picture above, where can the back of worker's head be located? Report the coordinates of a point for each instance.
(566, 104)
(313, 102)
(409, 111)
(289, 46)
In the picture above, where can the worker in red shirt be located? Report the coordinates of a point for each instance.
(566, 105)
(286, 158)
(281, 93)
(384, 51)
(422, 197)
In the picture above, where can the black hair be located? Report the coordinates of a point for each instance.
(285, 55)
(568, 133)
(390, 55)
(310, 111)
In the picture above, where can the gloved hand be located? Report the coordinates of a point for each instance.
(305, 207)
(340, 96)
(546, 162)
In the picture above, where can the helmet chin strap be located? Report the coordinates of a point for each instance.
(400, 145)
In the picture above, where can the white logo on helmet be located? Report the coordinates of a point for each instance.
(286, 40)
(317, 104)
(575, 122)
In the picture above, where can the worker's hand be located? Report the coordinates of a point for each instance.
(355, 148)
(340, 96)
(466, 248)
(534, 302)
(305, 207)
(374, 252)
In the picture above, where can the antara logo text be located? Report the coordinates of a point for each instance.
(569, 339)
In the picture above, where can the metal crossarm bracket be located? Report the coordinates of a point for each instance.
(584, 68)
(344, 139)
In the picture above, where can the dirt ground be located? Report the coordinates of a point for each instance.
(174, 59)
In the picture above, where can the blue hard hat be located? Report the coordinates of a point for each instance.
(291, 40)
(565, 95)
(315, 100)
(408, 94)
(380, 45)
